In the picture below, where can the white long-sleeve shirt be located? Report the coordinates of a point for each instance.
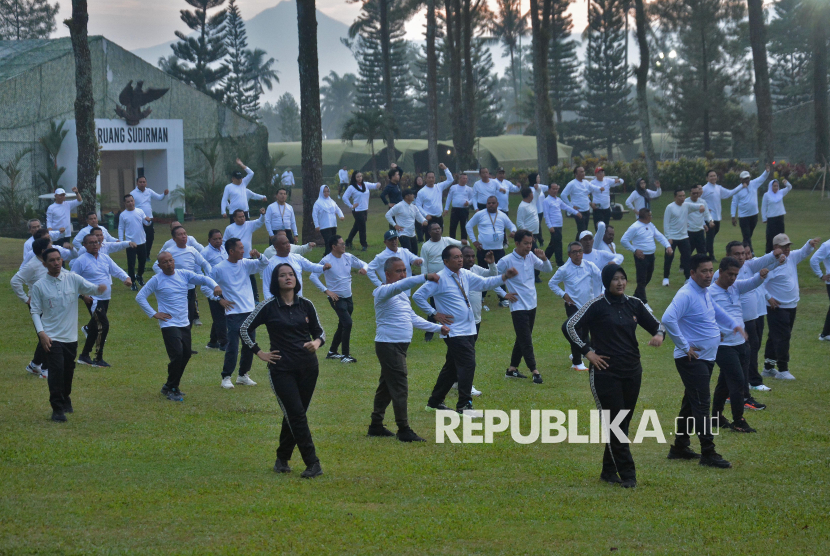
(28, 275)
(186, 258)
(27, 245)
(325, 213)
(295, 249)
(745, 200)
(452, 297)
(460, 196)
(298, 263)
(506, 187)
(375, 270)
(553, 207)
(213, 255)
(782, 281)
(236, 283)
(287, 178)
(475, 296)
(339, 276)
(491, 227)
(713, 195)
(60, 215)
(429, 198)
(352, 196)
(431, 254)
(343, 176)
(539, 197)
(54, 305)
(527, 218)
(636, 202)
(603, 198)
(582, 283)
(191, 242)
(393, 312)
(599, 241)
(483, 191)
(405, 215)
(280, 217)
(694, 320)
(730, 301)
(524, 283)
(601, 258)
(78, 241)
(171, 295)
(697, 219)
(676, 219)
(236, 196)
(66, 254)
(642, 236)
(772, 204)
(245, 232)
(144, 200)
(98, 270)
(754, 302)
(131, 226)
(576, 194)
(821, 256)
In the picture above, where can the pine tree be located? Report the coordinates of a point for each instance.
(607, 116)
(489, 105)
(288, 112)
(789, 50)
(239, 91)
(563, 64)
(26, 19)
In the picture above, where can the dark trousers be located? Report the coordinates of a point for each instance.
(747, 224)
(192, 310)
(601, 215)
(697, 242)
(40, 356)
(177, 344)
(150, 233)
(498, 254)
(343, 307)
(540, 239)
(481, 206)
(731, 381)
(755, 331)
(393, 385)
(780, 324)
(60, 360)
(140, 252)
(616, 394)
(713, 230)
(459, 216)
(826, 330)
(523, 322)
(219, 328)
(695, 375)
(775, 226)
(576, 353)
(555, 246)
(409, 242)
(459, 366)
(327, 233)
(255, 288)
(359, 226)
(684, 247)
(581, 223)
(419, 232)
(433, 218)
(645, 269)
(294, 390)
(234, 322)
(97, 329)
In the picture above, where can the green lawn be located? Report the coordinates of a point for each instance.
(134, 473)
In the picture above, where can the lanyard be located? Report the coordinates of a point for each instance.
(493, 221)
(282, 213)
(463, 293)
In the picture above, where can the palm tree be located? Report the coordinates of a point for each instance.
(337, 100)
(369, 125)
(259, 70)
(507, 27)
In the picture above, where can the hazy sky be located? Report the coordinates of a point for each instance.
(142, 23)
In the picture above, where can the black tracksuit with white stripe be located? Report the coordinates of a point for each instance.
(612, 322)
(294, 375)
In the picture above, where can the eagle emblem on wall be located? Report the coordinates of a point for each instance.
(133, 98)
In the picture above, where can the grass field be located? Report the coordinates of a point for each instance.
(134, 473)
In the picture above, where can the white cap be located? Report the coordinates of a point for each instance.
(744, 175)
(586, 233)
(60, 191)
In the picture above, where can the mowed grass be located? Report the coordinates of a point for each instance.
(134, 473)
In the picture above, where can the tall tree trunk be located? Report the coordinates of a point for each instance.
(546, 150)
(707, 140)
(310, 119)
(84, 107)
(819, 46)
(763, 98)
(469, 84)
(432, 87)
(386, 54)
(453, 14)
(641, 72)
(515, 83)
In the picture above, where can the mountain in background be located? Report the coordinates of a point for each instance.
(275, 31)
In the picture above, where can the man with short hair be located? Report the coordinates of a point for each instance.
(432, 253)
(601, 194)
(694, 322)
(287, 178)
(28, 275)
(430, 195)
(343, 178)
(606, 234)
(459, 201)
(375, 272)
(553, 207)
(91, 222)
(713, 194)
(577, 194)
(190, 259)
(485, 188)
(59, 213)
(214, 253)
(243, 229)
(36, 235)
(296, 249)
(492, 225)
(391, 194)
(280, 216)
(403, 216)
(503, 191)
(131, 228)
(236, 194)
(639, 238)
(822, 255)
(191, 241)
(699, 222)
(284, 255)
(745, 204)
(676, 228)
(54, 309)
(596, 256)
(144, 198)
(33, 226)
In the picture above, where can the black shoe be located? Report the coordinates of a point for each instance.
(629, 483)
(333, 355)
(751, 403)
(379, 431)
(513, 374)
(101, 363)
(213, 345)
(537, 378)
(364, 248)
(193, 352)
(58, 416)
(223, 347)
(134, 287)
(281, 466)
(428, 336)
(140, 280)
(714, 459)
(313, 470)
(439, 407)
(685, 453)
(85, 360)
(408, 435)
(348, 359)
(67, 407)
(742, 426)
(610, 478)
(538, 280)
(348, 245)
(719, 421)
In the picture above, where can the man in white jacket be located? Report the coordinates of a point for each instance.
(745, 204)
(676, 228)
(403, 217)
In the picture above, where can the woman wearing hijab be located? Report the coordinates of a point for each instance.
(772, 209)
(641, 196)
(325, 214)
(615, 369)
(357, 199)
(295, 335)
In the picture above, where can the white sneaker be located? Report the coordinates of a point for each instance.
(44, 373)
(769, 373)
(580, 367)
(246, 380)
(474, 392)
(665, 281)
(226, 383)
(786, 375)
(473, 413)
(570, 357)
(32, 368)
(85, 330)
(824, 338)
(485, 308)
(761, 388)
(197, 322)
(504, 303)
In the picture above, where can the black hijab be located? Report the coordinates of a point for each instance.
(643, 193)
(608, 272)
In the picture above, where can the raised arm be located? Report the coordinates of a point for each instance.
(387, 291)
(422, 295)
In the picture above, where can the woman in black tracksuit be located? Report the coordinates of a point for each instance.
(615, 369)
(295, 334)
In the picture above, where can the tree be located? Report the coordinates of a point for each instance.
(27, 19)
(489, 106)
(432, 84)
(12, 199)
(239, 93)
(51, 143)
(193, 57)
(84, 106)
(790, 55)
(818, 14)
(641, 72)
(763, 98)
(507, 27)
(288, 113)
(563, 64)
(337, 101)
(370, 125)
(260, 73)
(540, 23)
